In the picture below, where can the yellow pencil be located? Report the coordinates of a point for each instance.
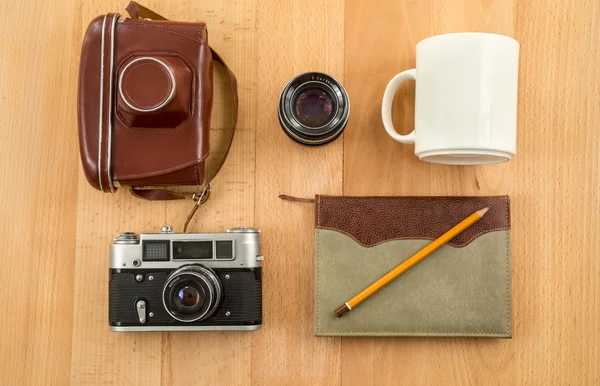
(408, 263)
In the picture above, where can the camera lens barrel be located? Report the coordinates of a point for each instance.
(313, 109)
(192, 293)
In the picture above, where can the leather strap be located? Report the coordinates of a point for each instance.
(136, 11)
(297, 199)
(159, 194)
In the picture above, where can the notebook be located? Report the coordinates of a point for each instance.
(462, 289)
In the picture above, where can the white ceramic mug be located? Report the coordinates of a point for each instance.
(466, 99)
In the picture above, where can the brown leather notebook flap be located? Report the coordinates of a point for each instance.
(374, 220)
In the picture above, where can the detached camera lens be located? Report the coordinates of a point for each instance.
(313, 108)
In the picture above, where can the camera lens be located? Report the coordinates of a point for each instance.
(192, 293)
(313, 108)
(188, 296)
(188, 299)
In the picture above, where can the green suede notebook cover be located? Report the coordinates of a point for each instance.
(462, 289)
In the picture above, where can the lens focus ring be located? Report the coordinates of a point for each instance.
(313, 108)
(192, 293)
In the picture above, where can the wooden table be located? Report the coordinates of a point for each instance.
(56, 229)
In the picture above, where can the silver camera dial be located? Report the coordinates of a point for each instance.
(127, 238)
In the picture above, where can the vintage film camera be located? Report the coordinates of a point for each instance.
(186, 281)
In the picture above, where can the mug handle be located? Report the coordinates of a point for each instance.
(386, 105)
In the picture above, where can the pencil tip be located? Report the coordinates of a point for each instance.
(483, 211)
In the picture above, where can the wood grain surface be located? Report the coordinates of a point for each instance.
(56, 229)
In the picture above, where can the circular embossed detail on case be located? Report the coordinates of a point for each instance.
(154, 91)
(147, 84)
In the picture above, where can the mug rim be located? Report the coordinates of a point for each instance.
(466, 33)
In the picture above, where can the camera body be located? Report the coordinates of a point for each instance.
(186, 281)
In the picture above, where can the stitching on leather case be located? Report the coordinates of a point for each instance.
(101, 112)
(410, 333)
(157, 172)
(183, 124)
(110, 104)
(126, 24)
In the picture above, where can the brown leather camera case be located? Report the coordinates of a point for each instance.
(145, 98)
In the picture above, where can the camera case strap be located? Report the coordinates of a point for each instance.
(144, 104)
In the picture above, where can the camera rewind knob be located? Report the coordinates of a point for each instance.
(127, 238)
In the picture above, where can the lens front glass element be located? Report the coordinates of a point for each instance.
(188, 296)
(314, 107)
(188, 299)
